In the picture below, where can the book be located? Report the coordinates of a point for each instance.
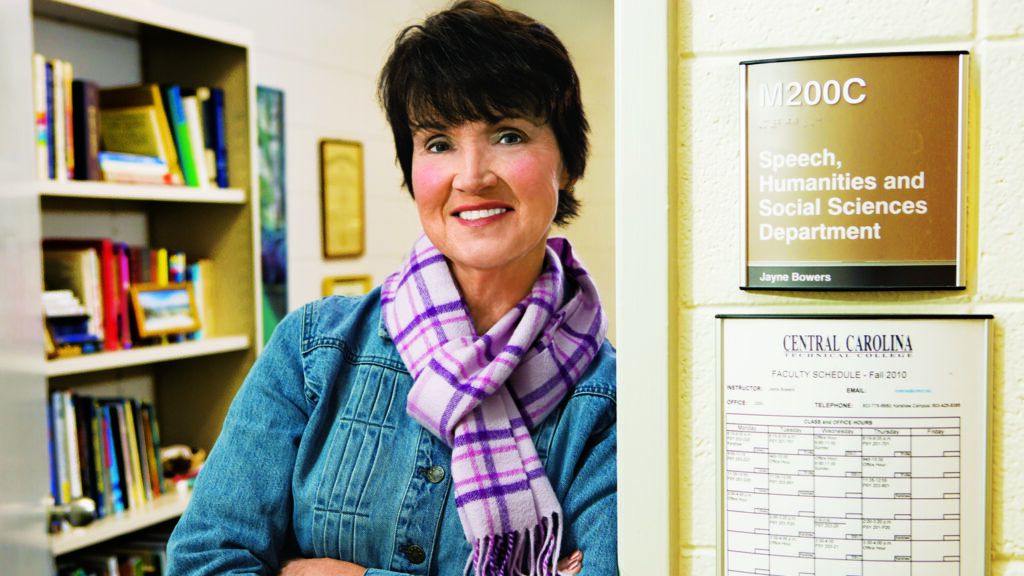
(197, 141)
(104, 282)
(140, 446)
(133, 121)
(135, 464)
(69, 126)
(51, 145)
(41, 117)
(86, 123)
(60, 134)
(158, 464)
(179, 129)
(116, 489)
(122, 252)
(200, 274)
(217, 134)
(134, 168)
(71, 445)
(76, 270)
(84, 438)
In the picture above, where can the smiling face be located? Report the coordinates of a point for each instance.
(487, 194)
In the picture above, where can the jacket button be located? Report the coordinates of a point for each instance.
(434, 474)
(415, 554)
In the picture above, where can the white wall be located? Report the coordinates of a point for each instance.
(713, 36)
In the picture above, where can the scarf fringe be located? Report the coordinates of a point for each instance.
(532, 552)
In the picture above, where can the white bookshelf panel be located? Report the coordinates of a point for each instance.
(155, 193)
(165, 507)
(145, 355)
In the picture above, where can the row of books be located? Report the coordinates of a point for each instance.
(144, 133)
(87, 284)
(107, 449)
(142, 553)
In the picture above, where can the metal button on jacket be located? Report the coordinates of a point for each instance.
(434, 474)
(415, 554)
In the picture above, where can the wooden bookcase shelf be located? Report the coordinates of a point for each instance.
(145, 355)
(110, 191)
(191, 384)
(165, 507)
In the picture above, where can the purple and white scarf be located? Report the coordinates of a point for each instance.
(482, 394)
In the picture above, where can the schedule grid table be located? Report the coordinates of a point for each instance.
(841, 496)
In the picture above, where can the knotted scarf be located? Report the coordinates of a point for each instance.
(482, 394)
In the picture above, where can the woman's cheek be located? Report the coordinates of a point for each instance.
(428, 181)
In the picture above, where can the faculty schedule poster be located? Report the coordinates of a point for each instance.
(854, 171)
(853, 445)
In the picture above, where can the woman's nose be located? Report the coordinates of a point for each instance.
(475, 170)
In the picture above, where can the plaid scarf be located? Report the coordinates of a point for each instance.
(482, 394)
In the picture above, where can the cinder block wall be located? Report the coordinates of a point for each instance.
(712, 36)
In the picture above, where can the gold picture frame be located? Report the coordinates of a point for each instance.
(342, 196)
(347, 285)
(162, 309)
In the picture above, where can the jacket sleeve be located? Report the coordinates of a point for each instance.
(590, 504)
(238, 521)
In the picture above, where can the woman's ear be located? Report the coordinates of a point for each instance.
(564, 182)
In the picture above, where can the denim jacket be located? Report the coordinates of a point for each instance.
(318, 458)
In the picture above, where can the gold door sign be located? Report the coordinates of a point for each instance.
(854, 171)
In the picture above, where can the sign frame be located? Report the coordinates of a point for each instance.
(980, 426)
(917, 275)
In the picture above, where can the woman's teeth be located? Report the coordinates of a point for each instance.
(479, 214)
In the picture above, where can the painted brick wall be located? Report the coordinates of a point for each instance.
(712, 36)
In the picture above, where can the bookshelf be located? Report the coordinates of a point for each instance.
(139, 192)
(159, 510)
(191, 383)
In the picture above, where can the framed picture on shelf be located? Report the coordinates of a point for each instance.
(347, 285)
(341, 185)
(164, 309)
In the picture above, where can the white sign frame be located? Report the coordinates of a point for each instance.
(787, 377)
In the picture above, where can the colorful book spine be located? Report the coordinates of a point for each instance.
(71, 442)
(69, 125)
(60, 133)
(124, 286)
(193, 118)
(218, 135)
(155, 440)
(179, 128)
(63, 495)
(117, 494)
(51, 449)
(51, 145)
(132, 440)
(97, 460)
(86, 124)
(41, 117)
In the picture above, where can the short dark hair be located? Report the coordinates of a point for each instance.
(477, 61)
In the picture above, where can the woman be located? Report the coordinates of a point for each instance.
(460, 418)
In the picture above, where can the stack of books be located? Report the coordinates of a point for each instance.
(107, 449)
(142, 134)
(98, 274)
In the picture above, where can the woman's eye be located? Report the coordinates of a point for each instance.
(437, 146)
(511, 138)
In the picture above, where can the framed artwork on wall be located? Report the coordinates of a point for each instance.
(341, 185)
(347, 285)
(273, 214)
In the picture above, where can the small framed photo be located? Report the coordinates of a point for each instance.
(341, 185)
(347, 285)
(164, 309)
